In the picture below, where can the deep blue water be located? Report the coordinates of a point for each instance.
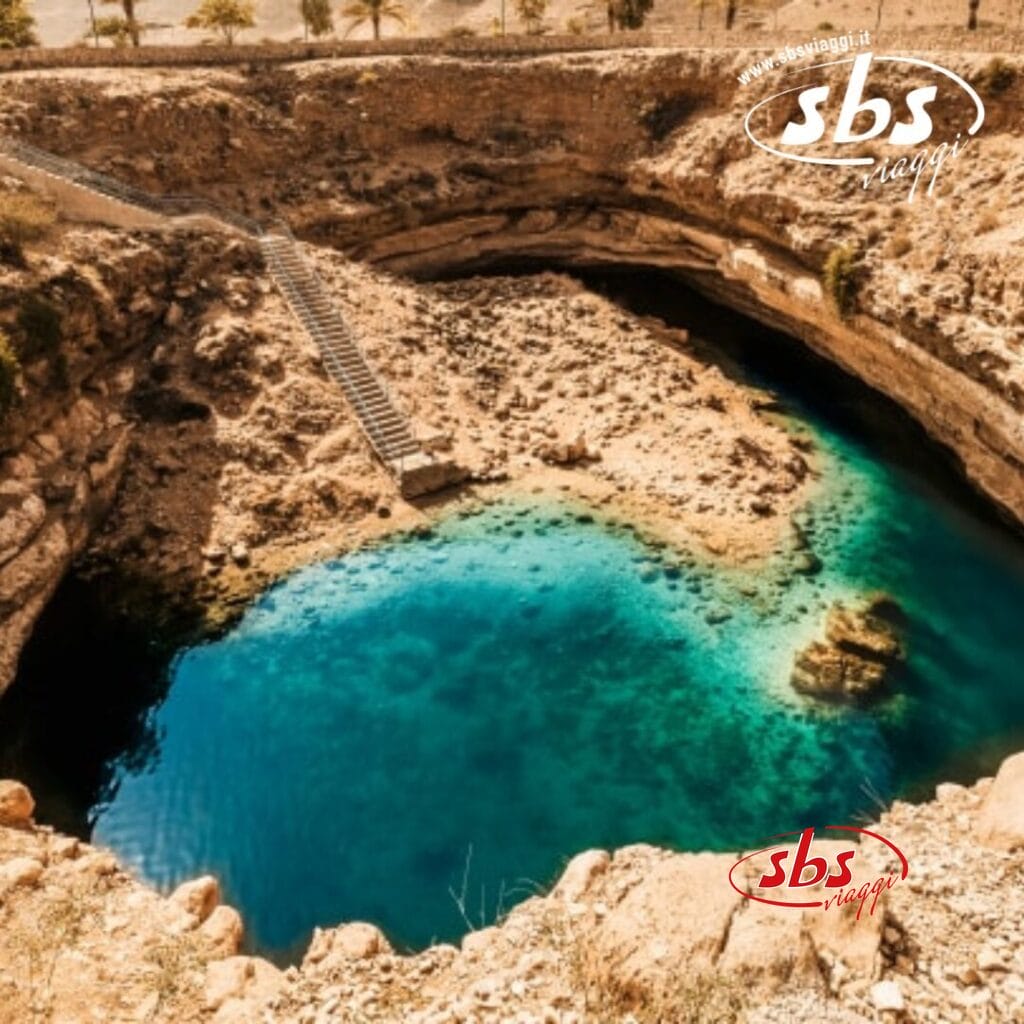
(463, 712)
(524, 685)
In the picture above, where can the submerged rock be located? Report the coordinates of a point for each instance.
(807, 563)
(861, 647)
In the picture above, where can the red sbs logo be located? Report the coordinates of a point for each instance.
(793, 876)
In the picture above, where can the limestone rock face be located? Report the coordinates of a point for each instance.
(676, 915)
(223, 930)
(354, 941)
(16, 804)
(580, 873)
(642, 930)
(861, 647)
(21, 871)
(240, 980)
(199, 898)
(1001, 819)
(684, 912)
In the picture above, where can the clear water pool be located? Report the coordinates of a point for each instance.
(455, 715)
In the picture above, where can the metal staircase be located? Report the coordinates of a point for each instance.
(388, 431)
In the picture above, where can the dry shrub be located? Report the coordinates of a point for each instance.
(9, 370)
(840, 278)
(23, 219)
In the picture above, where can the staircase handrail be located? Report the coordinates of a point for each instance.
(183, 206)
(169, 205)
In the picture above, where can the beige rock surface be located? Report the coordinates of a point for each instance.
(1001, 821)
(643, 931)
(628, 158)
(16, 803)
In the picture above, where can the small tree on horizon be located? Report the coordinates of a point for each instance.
(373, 11)
(226, 17)
(16, 25)
(133, 28)
(532, 14)
(92, 23)
(316, 17)
(114, 28)
(972, 14)
(628, 14)
(731, 10)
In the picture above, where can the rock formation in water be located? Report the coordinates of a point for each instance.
(861, 648)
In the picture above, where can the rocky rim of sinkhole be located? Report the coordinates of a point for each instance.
(190, 426)
(638, 934)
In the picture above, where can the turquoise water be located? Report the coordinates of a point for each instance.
(452, 716)
(460, 713)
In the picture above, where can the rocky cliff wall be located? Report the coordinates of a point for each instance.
(606, 158)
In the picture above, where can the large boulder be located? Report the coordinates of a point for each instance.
(420, 475)
(354, 941)
(198, 898)
(671, 922)
(16, 804)
(681, 927)
(1001, 817)
(861, 647)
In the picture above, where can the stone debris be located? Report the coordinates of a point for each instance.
(637, 930)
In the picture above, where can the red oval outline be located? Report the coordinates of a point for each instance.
(874, 835)
(818, 903)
